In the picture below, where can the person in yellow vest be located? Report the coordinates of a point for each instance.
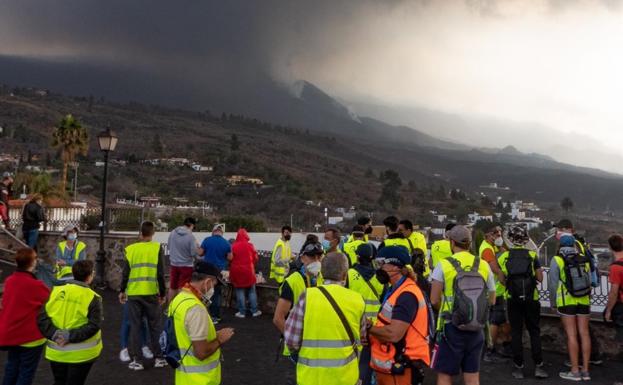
(71, 321)
(440, 249)
(362, 279)
(295, 284)
(399, 338)
(331, 241)
(417, 242)
(574, 309)
(281, 256)
(197, 339)
(144, 290)
(366, 224)
(68, 252)
(325, 329)
(498, 327)
(394, 237)
(350, 247)
(458, 350)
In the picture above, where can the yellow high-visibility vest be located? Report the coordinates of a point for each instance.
(278, 269)
(143, 260)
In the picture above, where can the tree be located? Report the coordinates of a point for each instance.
(72, 139)
(234, 144)
(390, 194)
(567, 204)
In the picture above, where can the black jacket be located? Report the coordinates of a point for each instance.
(32, 216)
(82, 333)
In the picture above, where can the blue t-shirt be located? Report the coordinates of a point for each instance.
(215, 250)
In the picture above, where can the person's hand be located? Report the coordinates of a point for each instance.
(369, 323)
(60, 341)
(608, 316)
(224, 335)
(123, 298)
(162, 300)
(61, 262)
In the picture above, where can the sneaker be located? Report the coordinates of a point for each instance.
(491, 356)
(160, 363)
(240, 315)
(570, 376)
(539, 372)
(517, 372)
(135, 365)
(257, 313)
(147, 353)
(586, 376)
(124, 355)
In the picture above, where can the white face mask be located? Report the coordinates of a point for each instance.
(207, 297)
(313, 268)
(499, 241)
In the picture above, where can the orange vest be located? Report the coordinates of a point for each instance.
(416, 338)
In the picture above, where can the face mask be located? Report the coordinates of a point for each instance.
(72, 237)
(207, 297)
(313, 268)
(287, 237)
(382, 276)
(326, 245)
(499, 241)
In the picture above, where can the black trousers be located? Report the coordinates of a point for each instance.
(528, 314)
(147, 307)
(70, 374)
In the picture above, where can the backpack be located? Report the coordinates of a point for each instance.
(470, 308)
(168, 341)
(520, 279)
(578, 280)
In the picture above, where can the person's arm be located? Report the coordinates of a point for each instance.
(45, 324)
(204, 349)
(83, 255)
(281, 313)
(437, 286)
(538, 270)
(201, 250)
(491, 285)
(553, 276)
(94, 324)
(277, 256)
(58, 256)
(125, 275)
(196, 325)
(403, 314)
(40, 214)
(162, 288)
(293, 331)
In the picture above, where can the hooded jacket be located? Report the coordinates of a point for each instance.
(182, 247)
(242, 268)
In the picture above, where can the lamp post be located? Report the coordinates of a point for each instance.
(107, 141)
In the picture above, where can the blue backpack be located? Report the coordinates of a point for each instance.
(168, 341)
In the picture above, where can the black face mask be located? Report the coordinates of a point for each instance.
(382, 276)
(287, 237)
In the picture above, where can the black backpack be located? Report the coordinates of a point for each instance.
(470, 308)
(168, 341)
(578, 279)
(520, 279)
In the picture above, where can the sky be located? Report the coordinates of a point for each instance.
(553, 64)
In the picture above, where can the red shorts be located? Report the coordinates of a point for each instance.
(180, 275)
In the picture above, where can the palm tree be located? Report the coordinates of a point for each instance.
(72, 139)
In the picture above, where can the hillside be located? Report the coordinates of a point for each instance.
(296, 165)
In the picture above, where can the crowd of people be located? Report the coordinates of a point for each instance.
(350, 310)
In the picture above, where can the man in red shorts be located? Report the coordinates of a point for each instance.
(183, 249)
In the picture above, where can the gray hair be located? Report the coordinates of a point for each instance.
(334, 266)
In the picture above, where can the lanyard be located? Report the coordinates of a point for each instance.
(394, 288)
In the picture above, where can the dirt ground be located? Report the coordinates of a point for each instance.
(250, 359)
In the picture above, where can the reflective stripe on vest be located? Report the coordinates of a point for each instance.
(278, 269)
(193, 370)
(68, 308)
(416, 339)
(64, 272)
(143, 260)
(327, 355)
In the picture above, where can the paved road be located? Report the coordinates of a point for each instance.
(250, 359)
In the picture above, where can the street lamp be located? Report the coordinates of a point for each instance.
(107, 141)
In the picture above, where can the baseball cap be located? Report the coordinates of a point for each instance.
(313, 249)
(567, 241)
(449, 226)
(394, 255)
(217, 227)
(366, 251)
(460, 234)
(564, 224)
(203, 267)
